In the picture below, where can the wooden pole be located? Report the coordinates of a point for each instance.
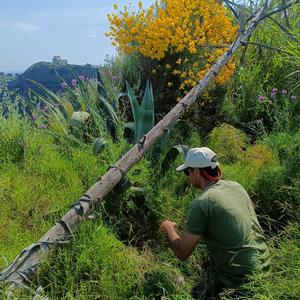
(26, 264)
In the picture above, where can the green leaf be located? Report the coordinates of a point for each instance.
(129, 132)
(172, 155)
(100, 86)
(135, 107)
(143, 115)
(97, 145)
(146, 112)
(108, 112)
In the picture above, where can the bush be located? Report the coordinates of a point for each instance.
(228, 142)
(283, 280)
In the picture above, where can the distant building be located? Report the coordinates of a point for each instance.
(58, 61)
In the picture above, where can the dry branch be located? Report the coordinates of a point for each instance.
(263, 46)
(26, 264)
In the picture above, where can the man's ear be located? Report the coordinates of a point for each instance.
(199, 172)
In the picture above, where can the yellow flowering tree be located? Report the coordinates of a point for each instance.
(183, 38)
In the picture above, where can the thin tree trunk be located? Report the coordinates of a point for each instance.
(26, 264)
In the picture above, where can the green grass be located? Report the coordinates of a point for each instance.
(283, 280)
(121, 254)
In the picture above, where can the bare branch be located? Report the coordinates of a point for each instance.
(286, 16)
(279, 9)
(237, 5)
(232, 9)
(284, 29)
(244, 43)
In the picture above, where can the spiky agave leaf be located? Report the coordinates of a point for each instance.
(146, 112)
(135, 107)
(143, 115)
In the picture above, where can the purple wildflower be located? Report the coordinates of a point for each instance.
(74, 82)
(293, 98)
(33, 117)
(114, 77)
(273, 95)
(46, 109)
(42, 126)
(63, 85)
(81, 77)
(284, 92)
(261, 98)
(274, 90)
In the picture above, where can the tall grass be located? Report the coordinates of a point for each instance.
(121, 254)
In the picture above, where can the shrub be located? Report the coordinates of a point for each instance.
(283, 280)
(257, 157)
(185, 27)
(228, 142)
(175, 42)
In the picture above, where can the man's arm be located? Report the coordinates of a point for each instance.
(181, 246)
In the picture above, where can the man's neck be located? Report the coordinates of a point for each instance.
(208, 183)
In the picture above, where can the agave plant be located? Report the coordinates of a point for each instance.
(143, 114)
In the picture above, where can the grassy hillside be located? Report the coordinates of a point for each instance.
(120, 254)
(53, 147)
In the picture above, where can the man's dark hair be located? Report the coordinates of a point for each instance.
(213, 173)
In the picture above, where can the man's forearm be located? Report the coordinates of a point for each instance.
(175, 244)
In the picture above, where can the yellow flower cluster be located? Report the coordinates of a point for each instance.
(196, 32)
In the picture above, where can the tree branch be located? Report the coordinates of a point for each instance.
(284, 29)
(232, 9)
(286, 16)
(279, 9)
(244, 43)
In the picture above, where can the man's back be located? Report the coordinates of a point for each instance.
(225, 217)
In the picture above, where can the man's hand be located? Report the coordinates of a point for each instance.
(166, 226)
(181, 246)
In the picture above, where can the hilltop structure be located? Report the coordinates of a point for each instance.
(57, 60)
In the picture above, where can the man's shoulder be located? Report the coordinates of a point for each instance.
(229, 183)
(224, 189)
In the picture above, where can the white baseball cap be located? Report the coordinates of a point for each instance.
(199, 158)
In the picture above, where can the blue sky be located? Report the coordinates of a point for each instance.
(36, 30)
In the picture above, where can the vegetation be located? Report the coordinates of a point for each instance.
(50, 76)
(55, 146)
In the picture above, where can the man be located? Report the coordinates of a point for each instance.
(224, 219)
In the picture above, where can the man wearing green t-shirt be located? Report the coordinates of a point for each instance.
(224, 219)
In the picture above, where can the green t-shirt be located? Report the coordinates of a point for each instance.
(225, 217)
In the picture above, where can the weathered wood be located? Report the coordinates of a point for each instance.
(25, 266)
